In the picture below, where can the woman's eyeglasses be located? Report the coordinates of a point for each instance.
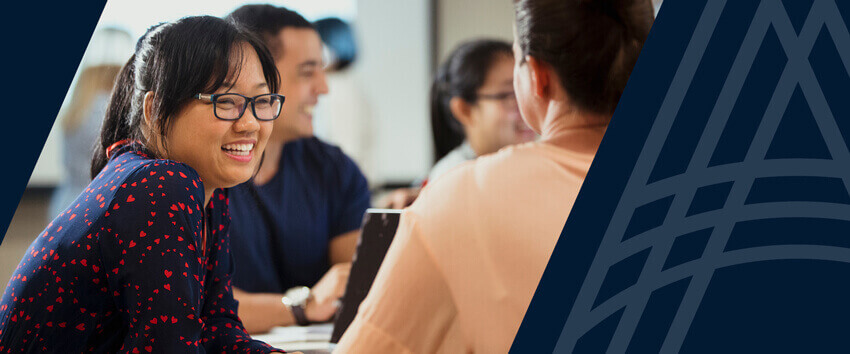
(508, 99)
(231, 106)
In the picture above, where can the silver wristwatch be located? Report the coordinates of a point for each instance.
(296, 300)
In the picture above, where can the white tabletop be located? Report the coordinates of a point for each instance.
(313, 338)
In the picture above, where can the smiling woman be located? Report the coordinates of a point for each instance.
(141, 260)
(223, 150)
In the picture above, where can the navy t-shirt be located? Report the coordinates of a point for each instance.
(281, 230)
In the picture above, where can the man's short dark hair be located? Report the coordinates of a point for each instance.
(267, 21)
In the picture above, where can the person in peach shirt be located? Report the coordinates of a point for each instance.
(468, 254)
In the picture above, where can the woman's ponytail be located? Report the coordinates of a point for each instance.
(447, 131)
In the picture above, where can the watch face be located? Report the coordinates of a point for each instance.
(299, 295)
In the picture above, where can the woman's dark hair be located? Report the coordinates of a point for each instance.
(176, 61)
(339, 37)
(591, 44)
(461, 75)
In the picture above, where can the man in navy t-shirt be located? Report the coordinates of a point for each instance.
(295, 227)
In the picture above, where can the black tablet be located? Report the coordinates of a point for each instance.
(379, 227)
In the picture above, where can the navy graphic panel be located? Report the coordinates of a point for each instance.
(43, 45)
(716, 215)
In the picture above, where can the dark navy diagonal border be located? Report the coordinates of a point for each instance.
(43, 45)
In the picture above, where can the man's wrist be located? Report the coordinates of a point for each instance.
(295, 300)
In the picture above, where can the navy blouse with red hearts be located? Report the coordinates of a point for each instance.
(125, 268)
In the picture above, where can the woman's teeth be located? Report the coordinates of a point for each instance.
(238, 149)
(308, 109)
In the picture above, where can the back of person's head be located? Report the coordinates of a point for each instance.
(460, 75)
(175, 61)
(267, 21)
(339, 38)
(592, 45)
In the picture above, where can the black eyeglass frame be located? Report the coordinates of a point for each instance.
(249, 100)
(506, 98)
(501, 96)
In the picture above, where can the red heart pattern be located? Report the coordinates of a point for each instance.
(58, 290)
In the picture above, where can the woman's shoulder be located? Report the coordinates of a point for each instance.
(134, 172)
(521, 168)
(141, 166)
(528, 182)
(454, 158)
(513, 160)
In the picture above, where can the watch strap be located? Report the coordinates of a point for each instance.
(299, 314)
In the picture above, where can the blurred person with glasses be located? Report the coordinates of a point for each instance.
(473, 111)
(299, 218)
(140, 261)
(473, 106)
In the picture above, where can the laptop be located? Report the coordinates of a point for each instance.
(379, 227)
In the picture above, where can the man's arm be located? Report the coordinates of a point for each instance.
(342, 247)
(260, 312)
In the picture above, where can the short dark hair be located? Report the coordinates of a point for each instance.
(461, 75)
(267, 21)
(176, 60)
(591, 44)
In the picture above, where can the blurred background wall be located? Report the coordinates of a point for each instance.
(458, 21)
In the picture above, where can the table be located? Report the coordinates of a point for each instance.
(312, 339)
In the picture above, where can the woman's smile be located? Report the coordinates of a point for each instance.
(242, 151)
